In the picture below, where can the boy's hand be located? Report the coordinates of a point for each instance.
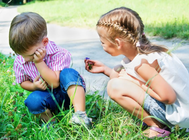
(39, 84)
(39, 55)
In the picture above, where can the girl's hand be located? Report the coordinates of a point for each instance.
(123, 75)
(39, 55)
(94, 66)
(39, 84)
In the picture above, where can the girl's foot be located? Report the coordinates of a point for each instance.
(154, 131)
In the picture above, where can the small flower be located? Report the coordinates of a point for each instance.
(10, 113)
(13, 83)
(8, 133)
(8, 71)
(87, 58)
(21, 94)
(15, 109)
(14, 102)
(18, 127)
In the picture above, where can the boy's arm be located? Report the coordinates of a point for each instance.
(36, 84)
(27, 85)
(50, 76)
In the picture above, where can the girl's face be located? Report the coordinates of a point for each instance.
(107, 45)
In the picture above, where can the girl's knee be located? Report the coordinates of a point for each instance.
(112, 88)
(117, 88)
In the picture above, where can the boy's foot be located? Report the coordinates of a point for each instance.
(48, 125)
(80, 118)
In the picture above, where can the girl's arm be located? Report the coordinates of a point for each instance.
(94, 66)
(159, 88)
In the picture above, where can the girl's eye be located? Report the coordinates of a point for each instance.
(102, 42)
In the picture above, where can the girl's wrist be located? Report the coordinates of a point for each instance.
(107, 71)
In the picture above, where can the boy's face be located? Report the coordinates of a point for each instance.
(29, 55)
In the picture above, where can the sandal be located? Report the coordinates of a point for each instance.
(144, 126)
(162, 132)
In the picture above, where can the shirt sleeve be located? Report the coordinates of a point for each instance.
(19, 72)
(60, 60)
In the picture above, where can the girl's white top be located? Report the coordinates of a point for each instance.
(176, 74)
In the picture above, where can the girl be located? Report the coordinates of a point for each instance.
(150, 81)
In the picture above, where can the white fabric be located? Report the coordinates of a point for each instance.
(138, 44)
(175, 73)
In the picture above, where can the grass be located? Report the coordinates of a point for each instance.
(110, 121)
(2, 4)
(165, 18)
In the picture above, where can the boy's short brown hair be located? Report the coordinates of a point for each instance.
(26, 30)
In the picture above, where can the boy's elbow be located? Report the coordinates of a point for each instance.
(54, 85)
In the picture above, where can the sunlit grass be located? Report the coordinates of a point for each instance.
(2, 4)
(110, 121)
(166, 18)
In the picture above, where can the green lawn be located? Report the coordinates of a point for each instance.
(165, 18)
(110, 121)
(2, 4)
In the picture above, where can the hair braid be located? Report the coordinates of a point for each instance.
(127, 24)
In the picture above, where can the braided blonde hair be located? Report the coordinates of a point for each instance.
(125, 23)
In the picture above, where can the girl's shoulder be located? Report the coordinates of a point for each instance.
(143, 58)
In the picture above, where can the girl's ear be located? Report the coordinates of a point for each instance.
(118, 43)
(45, 41)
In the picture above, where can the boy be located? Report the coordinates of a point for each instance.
(41, 65)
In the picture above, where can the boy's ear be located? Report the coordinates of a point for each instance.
(45, 41)
(118, 43)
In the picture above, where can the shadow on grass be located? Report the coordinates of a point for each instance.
(176, 28)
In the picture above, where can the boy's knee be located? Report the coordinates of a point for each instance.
(69, 76)
(67, 73)
(35, 103)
